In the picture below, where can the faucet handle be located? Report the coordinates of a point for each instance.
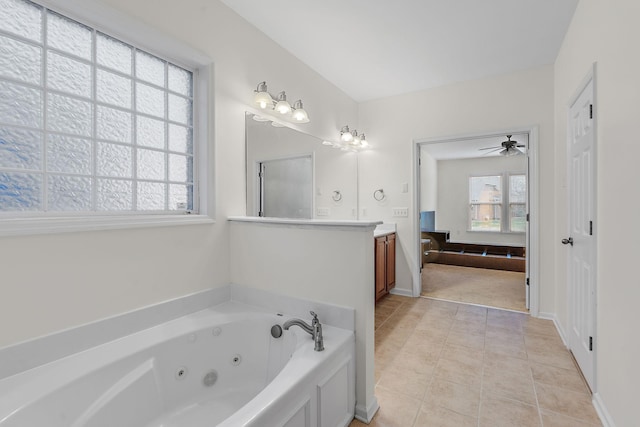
(315, 317)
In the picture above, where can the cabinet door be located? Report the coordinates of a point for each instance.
(381, 277)
(391, 262)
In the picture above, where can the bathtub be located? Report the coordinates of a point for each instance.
(215, 367)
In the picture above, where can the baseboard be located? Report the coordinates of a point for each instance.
(601, 409)
(366, 414)
(554, 319)
(401, 292)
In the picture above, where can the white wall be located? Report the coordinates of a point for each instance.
(52, 282)
(324, 264)
(514, 100)
(453, 197)
(428, 181)
(607, 32)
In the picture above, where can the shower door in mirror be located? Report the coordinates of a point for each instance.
(286, 187)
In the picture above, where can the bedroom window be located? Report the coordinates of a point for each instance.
(90, 124)
(493, 209)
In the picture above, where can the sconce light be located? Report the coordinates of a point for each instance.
(265, 101)
(351, 140)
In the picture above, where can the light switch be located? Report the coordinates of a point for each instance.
(400, 212)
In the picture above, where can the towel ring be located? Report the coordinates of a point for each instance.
(337, 196)
(379, 195)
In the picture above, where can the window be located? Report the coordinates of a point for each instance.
(89, 124)
(485, 199)
(492, 209)
(517, 203)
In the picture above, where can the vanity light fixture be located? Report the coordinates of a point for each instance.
(352, 140)
(265, 101)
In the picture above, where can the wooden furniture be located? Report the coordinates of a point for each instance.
(497, 257)
(385, 250)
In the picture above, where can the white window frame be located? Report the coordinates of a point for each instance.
(510, 203)
(130, 30)
(505, 203)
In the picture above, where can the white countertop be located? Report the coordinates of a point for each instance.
(384, 229)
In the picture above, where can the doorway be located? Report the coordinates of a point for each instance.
(494, 232)
(581, 242)
(286, 187)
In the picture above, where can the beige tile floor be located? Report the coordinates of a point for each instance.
(441, 363)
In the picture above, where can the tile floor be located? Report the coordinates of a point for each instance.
(440, 363)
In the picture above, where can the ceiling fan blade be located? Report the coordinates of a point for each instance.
(489, 148)
(493, 151)
(521, 146)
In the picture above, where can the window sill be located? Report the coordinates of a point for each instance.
(31, 226)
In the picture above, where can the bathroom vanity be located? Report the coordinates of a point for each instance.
(385, 256)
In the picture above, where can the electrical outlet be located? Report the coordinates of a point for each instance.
(400, 212)
(322, 211)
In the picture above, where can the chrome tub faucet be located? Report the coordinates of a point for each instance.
(315, 330)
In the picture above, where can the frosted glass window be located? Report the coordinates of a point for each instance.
(20, 148)
(113, 125)
(180, 168)
(180, 139)
(113, 54)
(180, 197)
(69, 115)
(69, 36)
(68, 154)
(149, 68)
(179, 109)
(68, 75)
(113, 160)
(114, 195)
(22, 18)
(149, 100)
(20, 105)
(180, 80)
(20, 61)
(150, 132)
(151, 196)
(69, 193)
(89, 123)
(113, 89)
(151, 164)
(20, 191)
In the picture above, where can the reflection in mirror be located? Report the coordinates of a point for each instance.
(293, 175)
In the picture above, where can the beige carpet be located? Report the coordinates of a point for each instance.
(494, 288)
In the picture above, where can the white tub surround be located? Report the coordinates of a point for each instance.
(319, 260)
(217, 366)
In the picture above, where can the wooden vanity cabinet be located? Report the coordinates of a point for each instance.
(385, 264)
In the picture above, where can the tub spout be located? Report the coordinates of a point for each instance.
(315, 330)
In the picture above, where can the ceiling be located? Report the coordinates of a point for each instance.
(471, 147)
(378, 48)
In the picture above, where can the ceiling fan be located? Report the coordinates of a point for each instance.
(507, 148)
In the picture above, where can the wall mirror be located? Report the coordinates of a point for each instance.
(291, 174)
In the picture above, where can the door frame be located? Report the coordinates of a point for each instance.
(589, 78)
(533, 247)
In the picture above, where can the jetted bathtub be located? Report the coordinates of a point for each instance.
(216, 367)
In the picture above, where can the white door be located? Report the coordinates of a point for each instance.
(581, 242)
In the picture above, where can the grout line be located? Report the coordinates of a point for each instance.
(476, 305)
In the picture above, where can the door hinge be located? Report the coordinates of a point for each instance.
(527, 281)
(527, 217)
(590, 228)
(261, 213)
(590, 343)
(591, 111)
